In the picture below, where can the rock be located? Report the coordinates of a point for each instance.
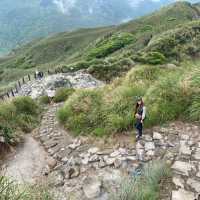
(150, 153)
(117, 163)
(123, 151)
(182, 167)
(64, 160)
(92, 187)
(94, 158)
(85, 161)
(139, 146)
(72, 172)
(182, 195)
(51, 162)
(171, 66)
(197, 154)
(157, 136)
(185, 150)
(194, 184)
(110, 161)
(131, 158)
(2, 139)
(149, 146)
(178, 182)
(185, 137)
(93, 150)
(75, 144)
(147, 138)
(56, 178)
(140, 154)
(102, 164)
(115, 154)
(46, 170)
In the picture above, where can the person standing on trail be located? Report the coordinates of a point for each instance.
(140, 114)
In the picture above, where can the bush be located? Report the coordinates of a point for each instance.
(111, 44)
(153, 58)
(62, 94)
(10, 190)
(44, 100)
(144, 187)
(19, 115)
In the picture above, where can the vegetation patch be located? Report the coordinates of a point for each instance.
(10, 190)
(169, 94)
(144, 186)
(111, 44)
(18, 116)
(62, 94)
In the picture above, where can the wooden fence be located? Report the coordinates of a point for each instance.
(12, 92)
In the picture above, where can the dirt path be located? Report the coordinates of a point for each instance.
(27, 163)
(89, 168)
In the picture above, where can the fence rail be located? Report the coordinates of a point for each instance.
(12, 92)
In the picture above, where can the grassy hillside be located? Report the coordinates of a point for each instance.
(108, 51)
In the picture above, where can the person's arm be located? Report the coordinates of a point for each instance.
(143, 114)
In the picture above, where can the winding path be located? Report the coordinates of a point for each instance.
(87, 168)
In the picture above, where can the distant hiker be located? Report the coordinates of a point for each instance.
(140, 114)
(36, 74)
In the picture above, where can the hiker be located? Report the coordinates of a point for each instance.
(140, 113)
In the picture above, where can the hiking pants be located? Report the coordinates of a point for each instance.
(139, 127)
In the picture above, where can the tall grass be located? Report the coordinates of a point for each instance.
(144, 187)
(168, 95)
(17, 116)
(10, 190)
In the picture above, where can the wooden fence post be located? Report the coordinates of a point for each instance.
(13, 94)
(16, 89)
(23, 80)
(19, 83)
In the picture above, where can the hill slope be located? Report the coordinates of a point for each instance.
(22, 21)
(93, 47)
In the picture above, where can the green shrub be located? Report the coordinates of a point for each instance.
(82, 112)
(144, 187)
(62, 94)
(166, 100)
(194, 109)
(153, 58)
(25, 105)
(44, 100)
(19, 115)
(10, 190)
(111, 44)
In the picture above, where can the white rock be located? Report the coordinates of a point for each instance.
(147, 138)
(149, 146)
(110, 161)
(157, 136)
(185, 150)
(93, 150)
(2, 139)
(194, 184)
(179, 182)
(132, 158)
(92, 187)
(197, 154)
(182, 195)
(123, 151)
(139, 146)
(185, 137)
(182, 167)
(115, 154)
(150, 153)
